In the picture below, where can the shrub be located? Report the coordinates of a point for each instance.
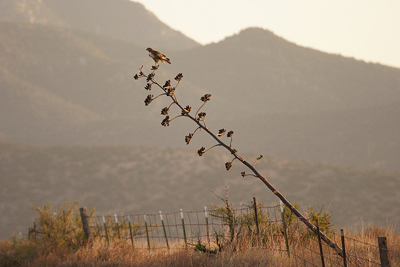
(241, 226)
(322, 219)
(59, 229)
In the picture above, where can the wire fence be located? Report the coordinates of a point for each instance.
(257, 227)
(269, 229)
(308, 250)
(210, 229)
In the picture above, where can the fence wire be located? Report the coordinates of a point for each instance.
(305, 246)
(246, 227)
(362, 253)
(186, 228)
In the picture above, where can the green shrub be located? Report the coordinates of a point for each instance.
(242, 225)
(59, 229)
(322, 219)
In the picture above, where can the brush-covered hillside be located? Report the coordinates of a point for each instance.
(148, 179)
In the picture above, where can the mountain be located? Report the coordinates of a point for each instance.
(36, 109)
(135, 180)
(121, 19)
(298, 103)
(268, 74)
(69, 83)
(75, 68)
(93, 73)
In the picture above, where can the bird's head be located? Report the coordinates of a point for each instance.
(149, 49)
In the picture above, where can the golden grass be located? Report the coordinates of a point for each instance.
(26, 253)
(121, 254)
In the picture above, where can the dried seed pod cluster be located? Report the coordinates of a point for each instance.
(169, 90)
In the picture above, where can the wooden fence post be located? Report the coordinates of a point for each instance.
(32, 232)
(147, 231)
(383, 251)
(321, 252)
(85, 223)
(105, 229)
(343, 248)
(284, 227)
(130, 229)
(255, 215)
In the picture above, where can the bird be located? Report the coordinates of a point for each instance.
(157, 56)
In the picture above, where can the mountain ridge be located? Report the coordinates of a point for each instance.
(120, 19)
(307, 67)
(81, 68)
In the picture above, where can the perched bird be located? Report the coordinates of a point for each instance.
(157, 56)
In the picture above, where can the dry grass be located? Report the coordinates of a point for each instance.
(121, 253)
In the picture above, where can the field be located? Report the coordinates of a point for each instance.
(233, 239)
(26, 253)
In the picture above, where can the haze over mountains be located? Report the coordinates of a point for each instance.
(66, 78)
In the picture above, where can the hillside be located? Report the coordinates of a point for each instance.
(68, 94)
(69, 64)
(365, 137)
(93, 74)
(147, 179)
(35, 108)
(268, 74)
(120, 19)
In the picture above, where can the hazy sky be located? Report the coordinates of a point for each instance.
(364, 29)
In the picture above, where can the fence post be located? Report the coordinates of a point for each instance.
(208, 231)
(183, 226)
(165, 232)
(130, 229)
(284, 227)
(32, 232)
(147, 231)
(343, 248)
(85, 223)
(116, 221)
(105, 229)
(255, 215)
(321, 252)
(383, 251)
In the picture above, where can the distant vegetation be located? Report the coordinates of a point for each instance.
(148, 179)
